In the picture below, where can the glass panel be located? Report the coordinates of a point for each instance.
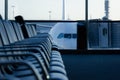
(102, 32)
(64, 34)
(57, 9)
(45, 9)
(104, 35)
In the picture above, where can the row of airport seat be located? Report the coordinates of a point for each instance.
(26, 55)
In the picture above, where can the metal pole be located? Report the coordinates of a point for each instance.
(6, 9)
(63, 15)
(86, 11)
(13, 11)
(49, 15)
(86, 20)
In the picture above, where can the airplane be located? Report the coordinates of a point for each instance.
(64, 35)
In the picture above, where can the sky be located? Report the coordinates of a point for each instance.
(52, 9)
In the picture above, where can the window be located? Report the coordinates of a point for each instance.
(74, 35)
(67, 36)
(61, 35)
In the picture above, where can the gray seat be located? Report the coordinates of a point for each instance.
(54, 61)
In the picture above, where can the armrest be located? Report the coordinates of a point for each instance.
(26, 46)
(33, 55)
(28, 64)
(45, 55)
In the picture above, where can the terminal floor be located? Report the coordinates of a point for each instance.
(92, 67)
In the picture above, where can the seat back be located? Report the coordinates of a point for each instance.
(17, 30)
(33, 27)
(4, 37)
(29, 31)
(10, 31)
(20, 20)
